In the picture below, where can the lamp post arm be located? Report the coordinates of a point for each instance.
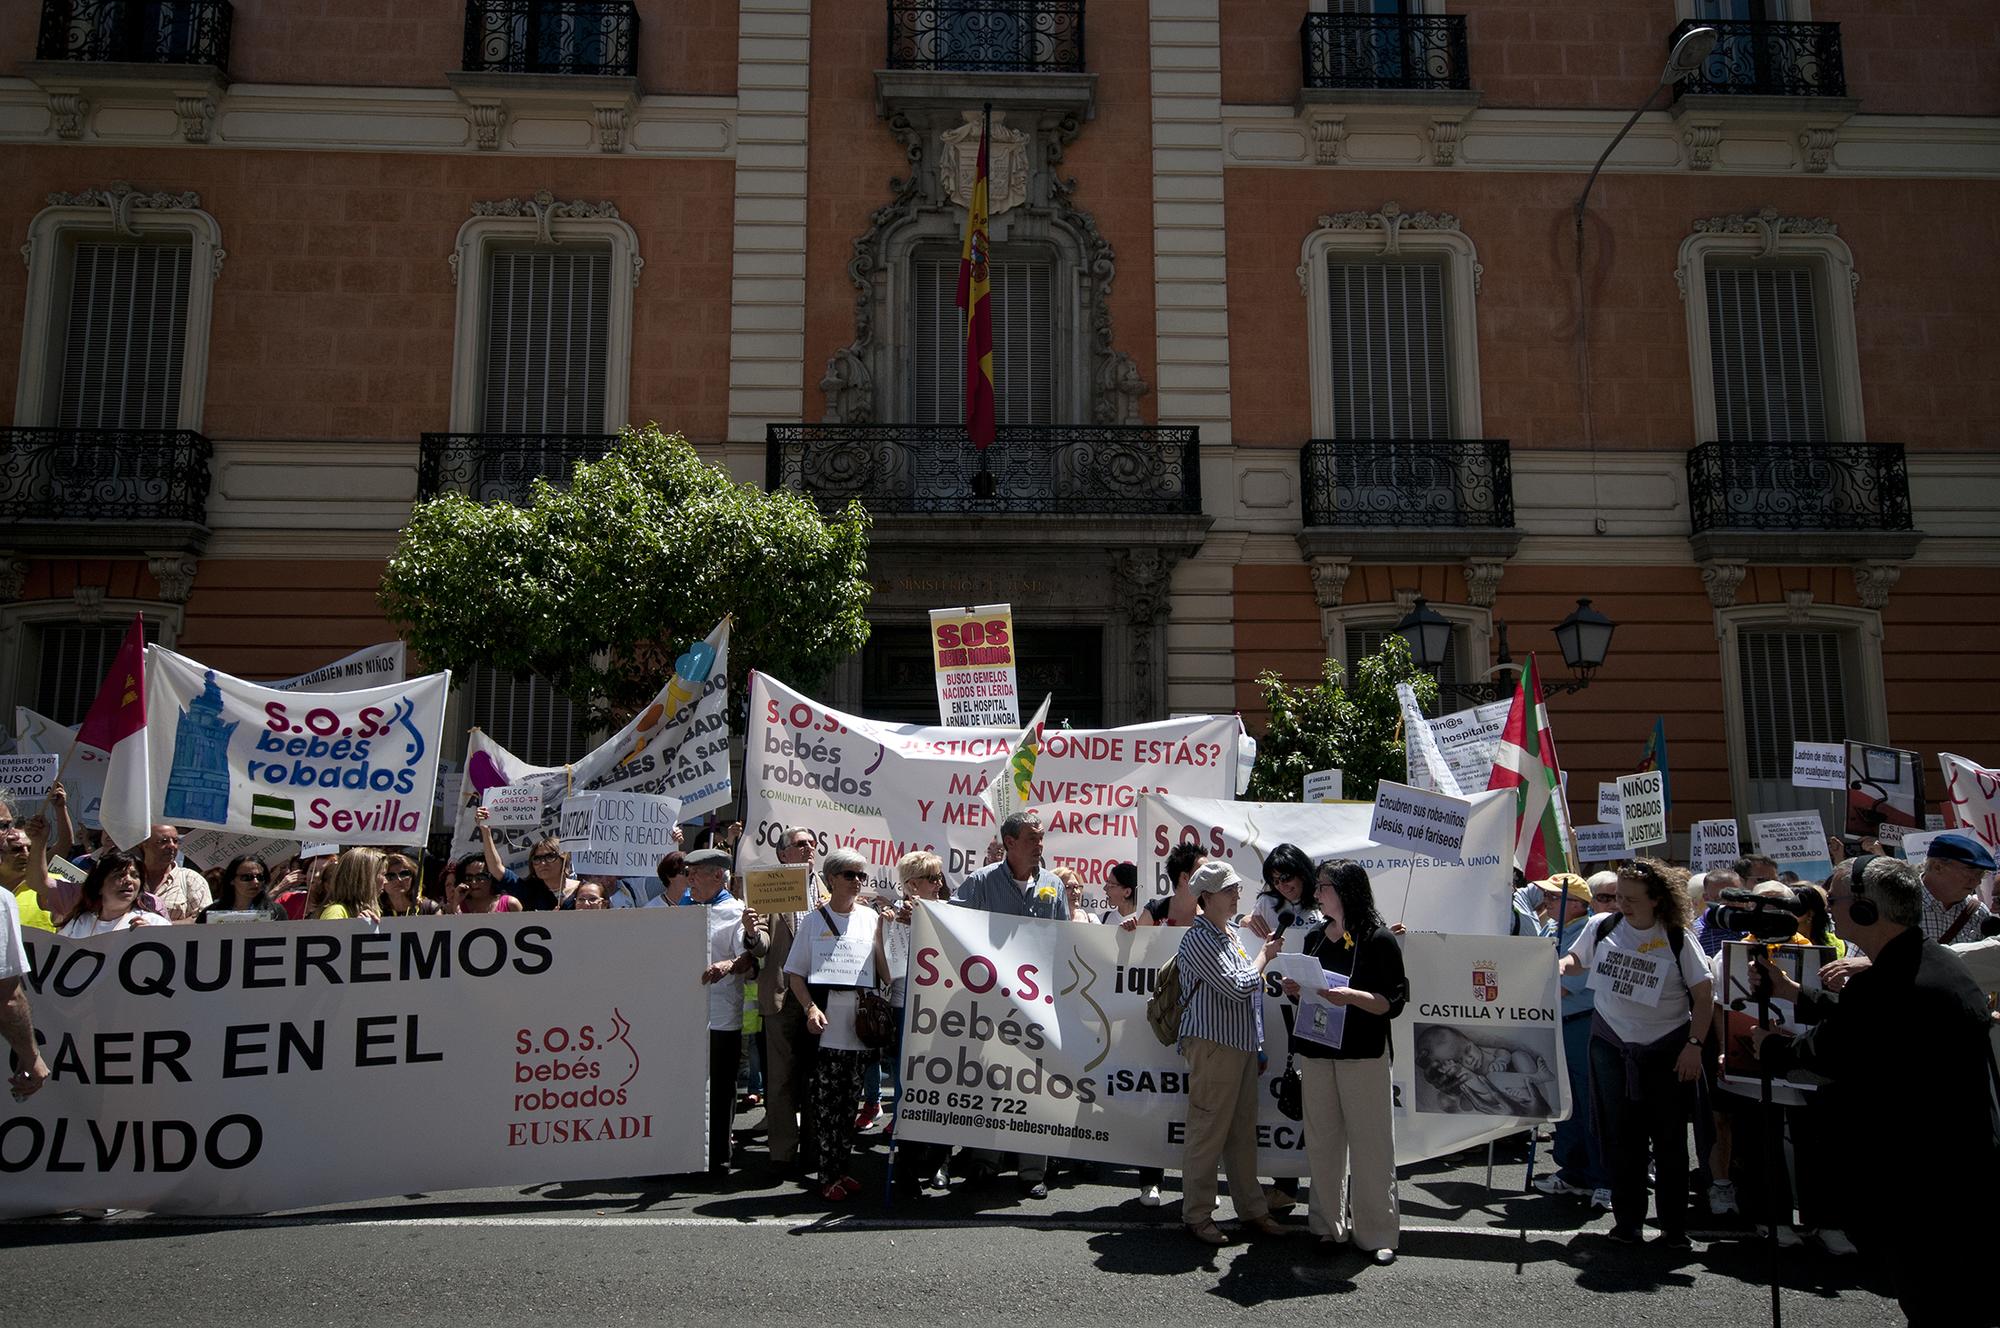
(1583, 198)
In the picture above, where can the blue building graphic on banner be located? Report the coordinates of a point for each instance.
(198, 782)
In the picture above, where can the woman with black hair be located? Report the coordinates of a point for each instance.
(245, 888)
(109, 899)
(1350, 1135)
(1286, 903)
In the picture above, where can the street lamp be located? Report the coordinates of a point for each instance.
(1689, 53)
(1584, 636)
(1429, 635)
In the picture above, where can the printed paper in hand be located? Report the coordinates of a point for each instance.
(1320, 1020)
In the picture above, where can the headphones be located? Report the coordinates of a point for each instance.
(1864, 911)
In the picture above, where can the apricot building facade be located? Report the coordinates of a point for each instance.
(1295, 325)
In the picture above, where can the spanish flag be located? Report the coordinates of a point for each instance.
(974, 296)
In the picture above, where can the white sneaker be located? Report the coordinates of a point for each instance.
(1150, 1196)
(1553, 1183)
(1722, 1198)
(1836, 1242)
(1601, 1198)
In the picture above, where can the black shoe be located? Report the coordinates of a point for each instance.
(1675, 1241)
(1624, 1235)
(1034, 1190)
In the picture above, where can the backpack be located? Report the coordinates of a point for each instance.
(1164, 1006)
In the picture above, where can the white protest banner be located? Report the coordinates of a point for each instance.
(1323, 786)
(348, 767)
(1601, 843)
(886, 789)
(25, 778)
(1607, 803)
(511, 806)
(1714, 844)
(1796, 841)
(973, 652)
(1478, 1053)
(1432, 824)
(1642, 808)
(213, 848)
(1972, 799)
(677, 746)
(371, 666)
(1472, 895)
(629, 834)
(1423, 763)
(83, 781)
(1819, 765)
(556, 1048)
(1468, 740)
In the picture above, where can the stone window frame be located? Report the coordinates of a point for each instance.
(1392, 233)
(1748, 239)
(1471, 636)
(118, 212)
(539, 221)
(21, 623)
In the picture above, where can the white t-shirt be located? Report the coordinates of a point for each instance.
(13, 950)
(841, 1002)
(89, 924)
(725, 942)
(1641, 992)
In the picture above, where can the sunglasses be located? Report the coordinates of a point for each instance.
(253, 878)
(546, 857)
(401, 875)
(852, 875)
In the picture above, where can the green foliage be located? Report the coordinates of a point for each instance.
(599, 586)
(1328, 725)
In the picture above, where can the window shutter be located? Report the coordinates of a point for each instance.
(75, 659)
(527, 716)
(1763, 346)
(1387, 333)
(1793, 691)
(125, 337)
(1023, 341)
(547, 339)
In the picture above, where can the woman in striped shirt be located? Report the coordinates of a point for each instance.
(1222, 1031)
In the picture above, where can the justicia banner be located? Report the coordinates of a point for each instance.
(342, 767)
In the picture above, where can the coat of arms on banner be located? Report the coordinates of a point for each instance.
(1486, 982)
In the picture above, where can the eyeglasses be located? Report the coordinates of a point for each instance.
(1608, 897)
(545, 857)
(852, 875)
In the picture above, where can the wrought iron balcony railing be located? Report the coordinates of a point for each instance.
(135, 475)
(1382, 482)
(492, 467)
(1780, 487)
(1767, 59)
(987, 36)
(142, 32)
(599, 37)
(1097, 470)
(1408, 52)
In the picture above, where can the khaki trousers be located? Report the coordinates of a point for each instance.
(1221, 1125)
(785, 1090)
(1351, 1149)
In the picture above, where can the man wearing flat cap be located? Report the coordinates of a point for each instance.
(734, 945)
(1953, 867)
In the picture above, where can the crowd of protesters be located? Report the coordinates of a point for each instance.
(1895, 1029)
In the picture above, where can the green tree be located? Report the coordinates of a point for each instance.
(599, 586)
(1352, 727)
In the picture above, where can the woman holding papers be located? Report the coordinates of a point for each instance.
(1342, 1037)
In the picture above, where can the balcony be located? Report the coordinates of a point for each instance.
(1384, 52)
(1800, 502)
(136, 32)
(987, 36)
(1057, 471)
(1766, 59)
(592, 38)
(502, 467)
(1410, 500)
(131, 488)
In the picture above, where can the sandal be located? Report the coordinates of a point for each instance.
(1208, 1233)
(841, 1190)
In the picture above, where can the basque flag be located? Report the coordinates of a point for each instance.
(975, 297)
(1526, 762)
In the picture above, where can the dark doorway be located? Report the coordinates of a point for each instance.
(899, 685)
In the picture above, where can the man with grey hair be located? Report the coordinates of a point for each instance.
(788, 1048)
(734, 945)
(1911, 1073)
(1018, 884)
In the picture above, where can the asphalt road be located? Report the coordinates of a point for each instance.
(746, 1252)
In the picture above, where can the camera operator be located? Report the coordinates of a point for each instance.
(1905, 1043)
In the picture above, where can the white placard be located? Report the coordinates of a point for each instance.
(1607, 803)
(25, 778)
(214, 848)
(839, 957)
(1819, 765)
(573, 824)
(305, 1033)
(1318, 1019)
(1642, 808)
(1714, 843)
(629, 834)
(1601, 843)
(1917, 843)
(1795, 840)
(1636, 977)
(310, 851)
(1432, 824)
(1323, 786)
(1468, 741)
(512, 806)
(973, 652)
(1933, 821)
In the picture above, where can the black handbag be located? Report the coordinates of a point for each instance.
(1291, 1092)
(875, 1022)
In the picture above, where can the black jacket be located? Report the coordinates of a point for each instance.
(1373, 963)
